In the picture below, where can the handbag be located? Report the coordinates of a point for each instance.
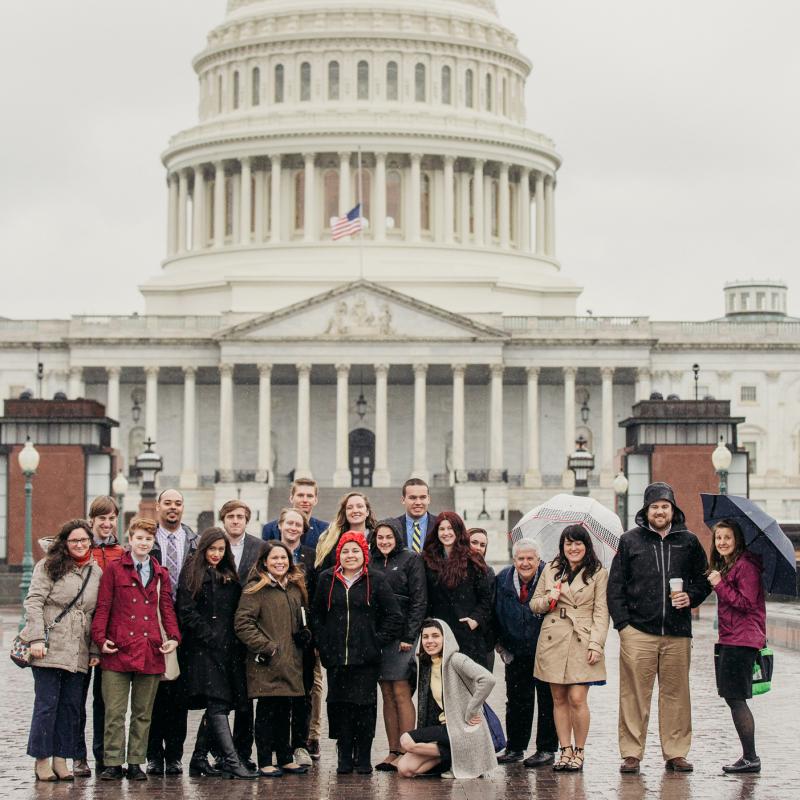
(21, 650)
(172, 670)
(495, 728)
(762, 671)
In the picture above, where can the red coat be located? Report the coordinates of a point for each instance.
(741, 610)
(105, 554)
(126, 614)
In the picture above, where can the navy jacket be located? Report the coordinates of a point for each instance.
(316, 527)
(516, 626)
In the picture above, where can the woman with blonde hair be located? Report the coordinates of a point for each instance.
(354, 514)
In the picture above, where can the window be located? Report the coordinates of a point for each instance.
(488, 92)
(425, 203)
(299, 199)
(748, 394)
(333, 80)
(469, 89)
(255, 89)
(731, 299)
(279, 83)
(235, 90)
(752, 454)
(305, 82)
(331, 196)
(419, 83)
(743, 301)
(363, 185)
(775, 306)
(761, 301)
(362, 72)
(446, 89)
(394, 197)
(391, 81)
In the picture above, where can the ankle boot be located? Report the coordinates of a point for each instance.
(62, 771)
(199, 766)
(344, 748)
(363, 750)
(44, 772)
(232, 767)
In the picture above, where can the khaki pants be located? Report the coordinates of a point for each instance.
(642, 657)
(142, 689)
(314, 725)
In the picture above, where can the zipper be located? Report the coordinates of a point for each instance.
(347, 629)
(663, 592)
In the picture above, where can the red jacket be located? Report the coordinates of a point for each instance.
(105, 554)
(740, 604)
(126, 614)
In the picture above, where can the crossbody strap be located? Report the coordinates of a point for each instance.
(74, 599)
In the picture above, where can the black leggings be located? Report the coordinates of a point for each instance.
(745, 726)
(272, 730)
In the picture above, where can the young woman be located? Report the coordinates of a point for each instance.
(479, 543)
(459, 587)
(211, 657)
(134, 592)
(354, 514)
(66, 579)
(271, 623)
(405, 572)
(569, 655)
(354, 615)
(735, 577)
(456, 744)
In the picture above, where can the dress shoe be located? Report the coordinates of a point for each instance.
(111, 774)
(248, 763)
(135, 773)
(510, 757)
(173, 768)
(679, 764)
(630, 766)
(80, 769)
(743, 765)
(541, 758)
(155, 766)
(312, 745)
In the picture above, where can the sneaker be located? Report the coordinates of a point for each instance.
(448, 775)
(312, 748)
(302, 757)
(743, 765)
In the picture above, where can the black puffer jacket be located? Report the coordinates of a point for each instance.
(638, 583)
(405, 573)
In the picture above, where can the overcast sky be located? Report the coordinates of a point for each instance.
(678, 122)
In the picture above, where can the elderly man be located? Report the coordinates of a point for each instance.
(517, 630)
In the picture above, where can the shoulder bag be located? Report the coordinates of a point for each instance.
(172, 670)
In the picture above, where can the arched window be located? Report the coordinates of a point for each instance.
(235, 90)
(469, 89)
(255, 89)
(488, 92)
(394, 197)
(391, 81)
(495, 200)
(363, 80)
(425, 203)
(365, 177)
(330, 204)
(333, 80)
(299, 200)
(305, 81)
(446, 90)
(219, 94)
(279, 83)
(419, 83)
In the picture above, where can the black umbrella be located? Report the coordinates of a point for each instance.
(762, 534)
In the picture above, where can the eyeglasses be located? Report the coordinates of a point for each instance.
(84, 540)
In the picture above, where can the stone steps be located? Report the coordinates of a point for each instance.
(385, 501)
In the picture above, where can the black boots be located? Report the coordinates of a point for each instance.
(363, 750)
(344, 747)
(231, 766)
(199, 766)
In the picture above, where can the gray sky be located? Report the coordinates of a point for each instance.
(678, 123)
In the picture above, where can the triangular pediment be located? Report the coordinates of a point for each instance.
(361, 311)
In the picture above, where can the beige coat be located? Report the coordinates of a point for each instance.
(69, 642)
(578, 623)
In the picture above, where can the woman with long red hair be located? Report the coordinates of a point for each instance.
(459, 584)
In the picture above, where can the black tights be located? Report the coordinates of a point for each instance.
(745, 726)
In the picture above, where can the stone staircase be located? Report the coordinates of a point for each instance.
(385, 502)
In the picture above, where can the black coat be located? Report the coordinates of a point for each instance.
(210, 655)
(253, 548)
(305, 561)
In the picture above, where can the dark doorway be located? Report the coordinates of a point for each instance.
(362, 456)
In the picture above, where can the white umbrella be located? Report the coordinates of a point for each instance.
(545, 523)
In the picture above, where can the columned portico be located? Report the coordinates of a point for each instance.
(420, 469)
(303, 459)
(496, 422)
(608, 450)
(459, 464)
(533, 474)
(189, 479)
(342, 475)
(381, 476)
(151, 403)
(264, 465)
(226, 423)
(569, 422)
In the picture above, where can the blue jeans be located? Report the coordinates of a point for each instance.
(56, 712)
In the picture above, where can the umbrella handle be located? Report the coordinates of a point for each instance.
(553, 603)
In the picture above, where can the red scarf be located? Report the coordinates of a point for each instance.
(82, 562)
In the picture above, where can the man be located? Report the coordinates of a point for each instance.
(175, 542)
(655, 629)
(416, 520)
(517, 629)
(303, 496)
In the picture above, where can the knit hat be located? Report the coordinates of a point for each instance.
(352, 536)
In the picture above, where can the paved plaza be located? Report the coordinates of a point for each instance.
(778, 732)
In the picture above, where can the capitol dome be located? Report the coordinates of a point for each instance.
(458, 196)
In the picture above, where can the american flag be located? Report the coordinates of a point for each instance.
(347, 225)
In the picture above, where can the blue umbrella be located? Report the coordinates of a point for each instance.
(762, 534)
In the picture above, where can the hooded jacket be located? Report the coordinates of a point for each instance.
(740, 604)
(638, 584)
(405, 573)
(106, 552)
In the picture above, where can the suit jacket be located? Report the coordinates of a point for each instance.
(401, 521)
(253, 547)
(191, 545)
(316, 527)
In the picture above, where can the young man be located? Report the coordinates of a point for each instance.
(655, 627)
(303, 496)
(416, 519)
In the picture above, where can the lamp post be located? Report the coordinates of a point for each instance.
(28, 462)
(581, 463)
(721, 459)
(119, 486)
(149, 463)
(620, 485)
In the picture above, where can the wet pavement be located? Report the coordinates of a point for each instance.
(715, 743)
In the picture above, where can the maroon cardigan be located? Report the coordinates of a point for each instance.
(126, 614)
(740, 604)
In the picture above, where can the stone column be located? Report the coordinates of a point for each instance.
(264, 465)
(420, 469)
(378, 221)
(246, 201)
(675, 385)
(533, 474)
(188, 478)
(774, 438)
(199, 209)
(607, 460)
(477, 203)
(183, 206)
(75, 385)
(258, 206)
(642, 383)
(381, 475)
(550, 216)
(415, 222)
(151, 403)
(504, 206)
(344, 190)
(459, 459)
(724, 384)
(226, 423)
(540, 243)
(303, 462)
(112, 402)
(342, 477)
(449, 199)
(463, 232)
(569, 424)
(219, 204)
(275, 200)
(524, 200)
(309, 216)
(496, 422)
(172, 215)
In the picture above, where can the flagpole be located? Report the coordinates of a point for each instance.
(361, 220)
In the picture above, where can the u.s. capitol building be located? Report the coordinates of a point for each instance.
(443, 341)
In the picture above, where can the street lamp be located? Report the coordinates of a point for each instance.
(581, 462)
(28, 462)
(119, 486)
(721, 459)
(149, 464)
(620, 485)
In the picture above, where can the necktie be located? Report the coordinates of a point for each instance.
(416, 537)
(139, 571)
(172, 561)
(523, 593)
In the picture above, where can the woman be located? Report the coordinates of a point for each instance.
(459, 587)
(354, 615)
(457, 744)
(735, 577)
(271, 623)
(479, 543)
(354, 514)
(405, 573)
(569, 654)
(58, 615)
(211, 657)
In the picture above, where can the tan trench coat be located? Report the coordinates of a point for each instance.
(578, 623)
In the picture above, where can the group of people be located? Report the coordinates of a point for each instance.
(231, 622)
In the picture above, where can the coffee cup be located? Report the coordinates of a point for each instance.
(675, 586)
